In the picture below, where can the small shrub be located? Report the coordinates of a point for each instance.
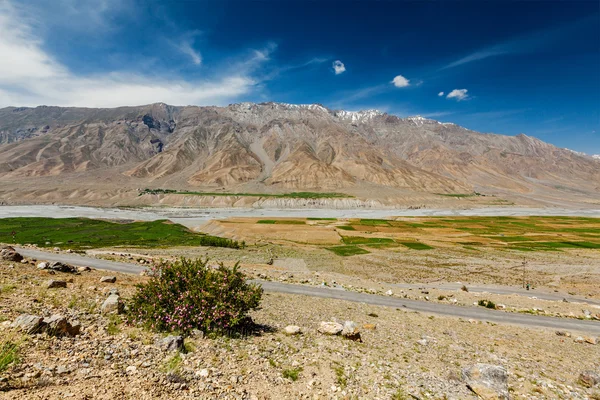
(464, 288)
(441, 297)
(291, 374)
(487, 304)
(189, 294)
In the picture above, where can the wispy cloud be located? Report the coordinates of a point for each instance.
(30, 76)
(523, 44)
(440, 94)
(338, 67)
(186, 48)
(458, 94)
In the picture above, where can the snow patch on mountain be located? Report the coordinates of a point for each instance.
(357, 116)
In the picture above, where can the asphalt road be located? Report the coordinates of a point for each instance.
(478, 313)
(495, 289)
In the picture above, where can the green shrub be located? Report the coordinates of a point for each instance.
(189, 294)
(291, 374)
(487, 304)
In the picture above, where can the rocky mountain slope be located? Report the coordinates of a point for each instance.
(280, 147)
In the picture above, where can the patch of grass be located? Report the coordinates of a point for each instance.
(173, 364)
(416, 246)
(281, 222)
(374, 222)
(321, 219)
(7, 288)
(292, 195)
(340, 376)
(346, 251)
(82, 233)
(291, 374)
(346, 227)
(400, 394)
(459, 195)
(9, 354)
(114, 321)
(364, 240)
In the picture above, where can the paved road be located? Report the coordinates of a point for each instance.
(590, 327)
(494, 289)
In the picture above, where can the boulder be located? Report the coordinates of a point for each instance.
(83, 269)
(53, 284)
(292, 330)
(591, 340)
(108, 279)
(57, 325)
(43, 265)
(28, 323)
(8, 253)
(589, 378)
(171, 343)
(112, 304)
(489, 382)
(330, 328)
(61, 267)
(350, 331)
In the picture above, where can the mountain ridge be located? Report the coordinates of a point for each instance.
(281, 147)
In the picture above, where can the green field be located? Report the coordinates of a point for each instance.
(281, 222)
(365, 240)
(346, 251)
(292, 195)
(416, 246)
(83, 233)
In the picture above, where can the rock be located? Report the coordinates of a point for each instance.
(28, 323)
(171, 343)
(579, 339)
(350, 331)
(52, 284)
(108, 279)
(8, 253)
(389, 292)
(43, 265)
(330, 328)
(292, 330)
(590, 340)
(490, 382)
(60, 267)
(563, 333)
(112, 304)
(132, 369)
(57, 325)
(370, 327)
(589, 379)
(83, 269)
(203, 373)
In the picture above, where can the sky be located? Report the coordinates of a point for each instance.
(506, 67)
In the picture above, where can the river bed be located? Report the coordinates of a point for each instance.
(194, 217)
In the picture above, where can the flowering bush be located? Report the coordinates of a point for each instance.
(189, 294)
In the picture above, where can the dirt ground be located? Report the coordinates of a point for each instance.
(402, 354)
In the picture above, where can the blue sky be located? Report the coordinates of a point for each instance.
(528, 67)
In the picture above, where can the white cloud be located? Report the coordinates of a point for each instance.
(440, 94)
(187, 49)
(29, 76)
(338, 67)
(400, 81)
(458, 94)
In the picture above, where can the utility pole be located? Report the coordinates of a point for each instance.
(524, 265)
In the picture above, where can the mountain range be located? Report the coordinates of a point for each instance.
(276, 147)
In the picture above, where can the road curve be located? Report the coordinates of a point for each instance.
(500, 317)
